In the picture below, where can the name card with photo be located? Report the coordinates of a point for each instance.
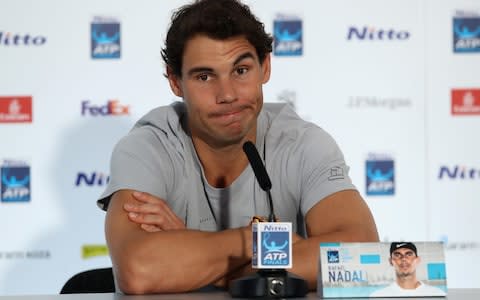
(393, 269)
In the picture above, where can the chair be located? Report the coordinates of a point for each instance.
(90, 281)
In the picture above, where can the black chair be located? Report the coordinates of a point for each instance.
(91, 281)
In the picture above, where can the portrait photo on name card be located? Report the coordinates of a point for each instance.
(387, 269)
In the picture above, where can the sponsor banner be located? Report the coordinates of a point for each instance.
(25, 254)
(111, 108)
(374, 33)
(105, 38)
(380, 175)
(21, 39)
(466, 32)
(391, 103)
(465, 102)
(91, 179)
(457, 172)
(15, 181)
(288, 36)
(91, 251)
(15, 109)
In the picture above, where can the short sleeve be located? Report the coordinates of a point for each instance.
(323, 168)
(139, 162)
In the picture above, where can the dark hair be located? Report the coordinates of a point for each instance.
(217, 19)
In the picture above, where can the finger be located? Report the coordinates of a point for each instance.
(145, 197)
(143, 208)
(154, 205)
(165, 216)
(162, 221)
(148, 219)
(150, 228)
(174, 220)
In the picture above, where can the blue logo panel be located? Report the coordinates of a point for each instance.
(333, 257)
(466, 34)
(380, 177)
(288, 38)
(105, 40)
(274, 251)
(15, 184)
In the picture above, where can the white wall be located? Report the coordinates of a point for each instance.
(389, 96)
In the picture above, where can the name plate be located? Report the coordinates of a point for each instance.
(396, 269)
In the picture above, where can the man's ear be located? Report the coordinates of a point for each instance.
(175, 84)
(390, 261)
(266, 68)
(418, 259)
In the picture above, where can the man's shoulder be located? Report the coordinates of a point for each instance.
(161, 124)
(163, 116)
(285, 126)
(283, 120)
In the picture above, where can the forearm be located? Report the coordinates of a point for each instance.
(179, 260)
(166, 257)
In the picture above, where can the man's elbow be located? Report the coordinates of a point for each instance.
(131, 278)
(137, 276)
(368, 233)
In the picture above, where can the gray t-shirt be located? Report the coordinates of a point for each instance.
(157, 156)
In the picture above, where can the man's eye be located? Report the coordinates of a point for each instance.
(242, 70)
(202, 77)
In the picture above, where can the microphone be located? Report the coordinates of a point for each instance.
(271, 280)
(260, 173)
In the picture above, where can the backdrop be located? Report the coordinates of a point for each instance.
(396, 82)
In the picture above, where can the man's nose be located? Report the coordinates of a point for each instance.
(226, 91)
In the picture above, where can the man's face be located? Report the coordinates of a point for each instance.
(404, 261)
(221, 85)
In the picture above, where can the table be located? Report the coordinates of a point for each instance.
(453, 294)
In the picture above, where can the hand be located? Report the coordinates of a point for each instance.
(152, 213)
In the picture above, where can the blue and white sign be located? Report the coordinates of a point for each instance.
(272, 245)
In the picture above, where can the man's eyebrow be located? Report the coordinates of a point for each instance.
(243, 56)
(210, 70)
(199, 70)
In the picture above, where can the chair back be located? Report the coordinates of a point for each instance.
(90, 281)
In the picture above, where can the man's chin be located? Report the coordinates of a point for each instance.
(404, 274)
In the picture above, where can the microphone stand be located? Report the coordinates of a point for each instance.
(269, 283)
(266, 283)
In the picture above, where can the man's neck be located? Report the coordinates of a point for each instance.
(222, 165)
(408, 282)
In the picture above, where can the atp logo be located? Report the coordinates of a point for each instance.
(105, 38)
(466, 34)
(15, 181)
(288, 37)
(380, 176)
(333, 257)
(275, 248)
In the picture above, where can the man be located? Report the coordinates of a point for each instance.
(404, 259)
(182, 195)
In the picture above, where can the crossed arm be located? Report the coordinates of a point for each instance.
(153, 252)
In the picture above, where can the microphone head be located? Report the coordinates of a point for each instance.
(257, 165)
